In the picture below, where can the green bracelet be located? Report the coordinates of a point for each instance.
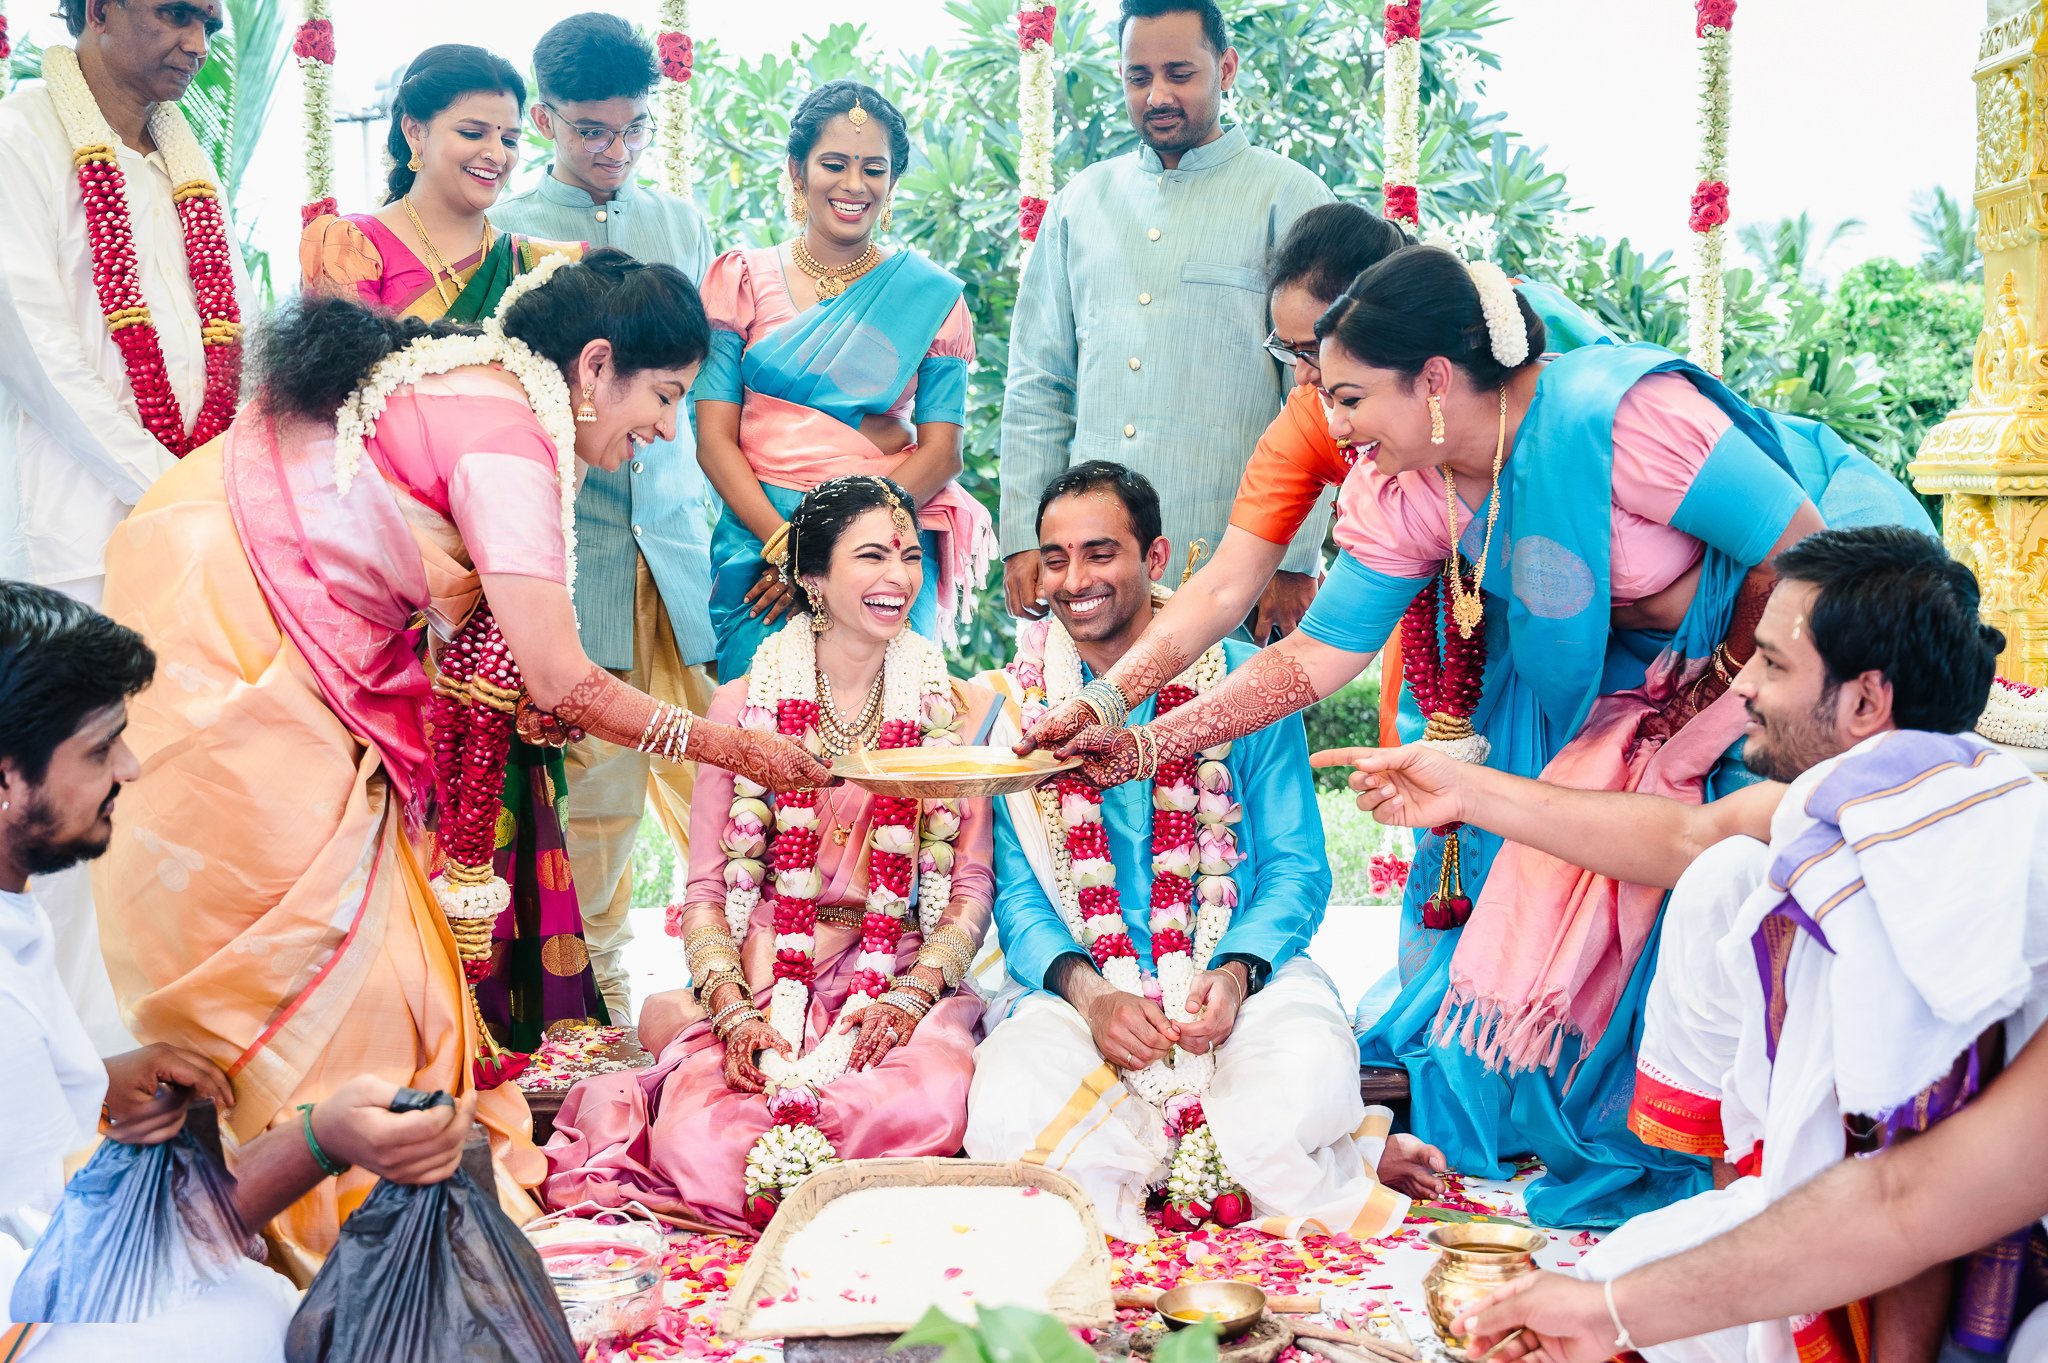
(320, 1157)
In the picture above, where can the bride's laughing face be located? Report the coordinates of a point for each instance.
(876, 570)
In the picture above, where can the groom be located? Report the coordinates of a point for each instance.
(1260, 1114)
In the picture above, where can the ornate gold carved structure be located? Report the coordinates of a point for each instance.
(1989, 460)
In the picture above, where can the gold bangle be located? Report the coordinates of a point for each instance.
(775, 552)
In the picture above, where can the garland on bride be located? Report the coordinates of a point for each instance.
(1194, 849)
(771, 847)
(116, 272)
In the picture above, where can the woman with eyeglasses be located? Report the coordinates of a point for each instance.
(429, 252)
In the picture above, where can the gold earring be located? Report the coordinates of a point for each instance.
(798, 211)
(586, 413)
(888, 216)
(821, 619)
(414, 164)
(1436, 420)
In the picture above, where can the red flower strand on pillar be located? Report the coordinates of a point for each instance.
(1401, 129)
(313, 45)
(1712, 20)
(1034, 115)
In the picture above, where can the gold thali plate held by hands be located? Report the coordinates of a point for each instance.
(932, 773)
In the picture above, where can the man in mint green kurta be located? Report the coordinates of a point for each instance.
(643, 536)
(1140, 317)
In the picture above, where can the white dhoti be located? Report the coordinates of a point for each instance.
(1283, 1104)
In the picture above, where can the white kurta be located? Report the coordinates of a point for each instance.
(55, 1086)
(74, 456)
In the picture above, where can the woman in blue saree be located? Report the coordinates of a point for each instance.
(831, 356)
(1618, 508)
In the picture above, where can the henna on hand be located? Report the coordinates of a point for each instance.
(779, 763)
(1750, 600)
(1272, 686)
(540, 727)
(603, 705)
(1156, 659)
(883, 1027)
(1056, 726)
(1109, 757)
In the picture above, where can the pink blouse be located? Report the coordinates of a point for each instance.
(467, 446)
(1664, 430)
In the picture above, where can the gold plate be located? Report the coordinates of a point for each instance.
(935, 773)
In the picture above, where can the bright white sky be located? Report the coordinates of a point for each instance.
(1842, 108)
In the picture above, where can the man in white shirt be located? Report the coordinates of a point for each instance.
(76, 449)
(66, 673)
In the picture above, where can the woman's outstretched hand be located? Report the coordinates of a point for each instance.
(742, 1044)
(1055, 727)
(772, 760)
(1109, 757)
(1412, 786)
(883, 1027)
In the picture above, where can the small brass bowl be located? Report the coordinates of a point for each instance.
(1234, 1307)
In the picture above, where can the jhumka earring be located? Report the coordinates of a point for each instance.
(414, 164)
(821, 619)
(585, 412)
(888, 216)
(1436, 420)
(797, 209)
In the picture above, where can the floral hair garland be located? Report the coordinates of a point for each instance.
(917, 709)
(546, 390)
(1194, 849)
(313, 45)
(678, 63)
(1401, 130)
(1034, 118)
(1709, 220)
(1506, 334)
(2016, 714)
(116, 276)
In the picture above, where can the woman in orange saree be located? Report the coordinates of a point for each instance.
(268, 892)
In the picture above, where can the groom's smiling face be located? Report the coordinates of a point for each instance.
(1094, 571)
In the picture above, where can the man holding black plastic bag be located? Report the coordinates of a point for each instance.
(66, 673)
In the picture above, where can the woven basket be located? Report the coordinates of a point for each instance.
(1081, 1296)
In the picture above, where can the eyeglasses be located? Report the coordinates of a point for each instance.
(1289, 354)
(597, 139)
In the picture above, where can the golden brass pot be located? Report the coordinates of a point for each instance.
(1473, 1262)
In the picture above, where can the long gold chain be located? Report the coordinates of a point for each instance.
(437, 265)
(1468, 610)
(831, 280)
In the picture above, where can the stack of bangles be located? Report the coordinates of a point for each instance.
(714, 960)
(667, 733)
(775, 552)
(948, 952)
(1111, 706)
(1148, 752)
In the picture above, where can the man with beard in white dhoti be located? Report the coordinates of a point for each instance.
(1830, 980)
(1160, 1023)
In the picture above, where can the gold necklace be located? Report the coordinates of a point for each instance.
(831, 280)
(839, 736)
(437, 265)
(1468, 610)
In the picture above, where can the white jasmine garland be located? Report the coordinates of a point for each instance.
(1706, 309)
(785, 1156)
(678, 149)
(2016, 715)
(1505, 330)
(1401, 138)
(85, 126)
(319, 96)
(546, 392)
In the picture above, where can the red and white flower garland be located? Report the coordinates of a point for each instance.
(1194, 848)
(1401, 134)
(1034, 117)
(917, 709)
(313, 45)
(116, 270)
(678, 54)
(1712, 21)
(2015, 715)
(1445, 673)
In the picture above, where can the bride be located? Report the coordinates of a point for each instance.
(267, 901)
(827, 935)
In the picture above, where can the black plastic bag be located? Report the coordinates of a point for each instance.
(140, 1228)
(432, 1274)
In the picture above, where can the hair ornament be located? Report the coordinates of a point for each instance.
(535, 278)
(1505, 331)
(857, 116)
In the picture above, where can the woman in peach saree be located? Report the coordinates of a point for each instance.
(267, 891)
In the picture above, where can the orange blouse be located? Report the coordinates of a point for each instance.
(1294, 461)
